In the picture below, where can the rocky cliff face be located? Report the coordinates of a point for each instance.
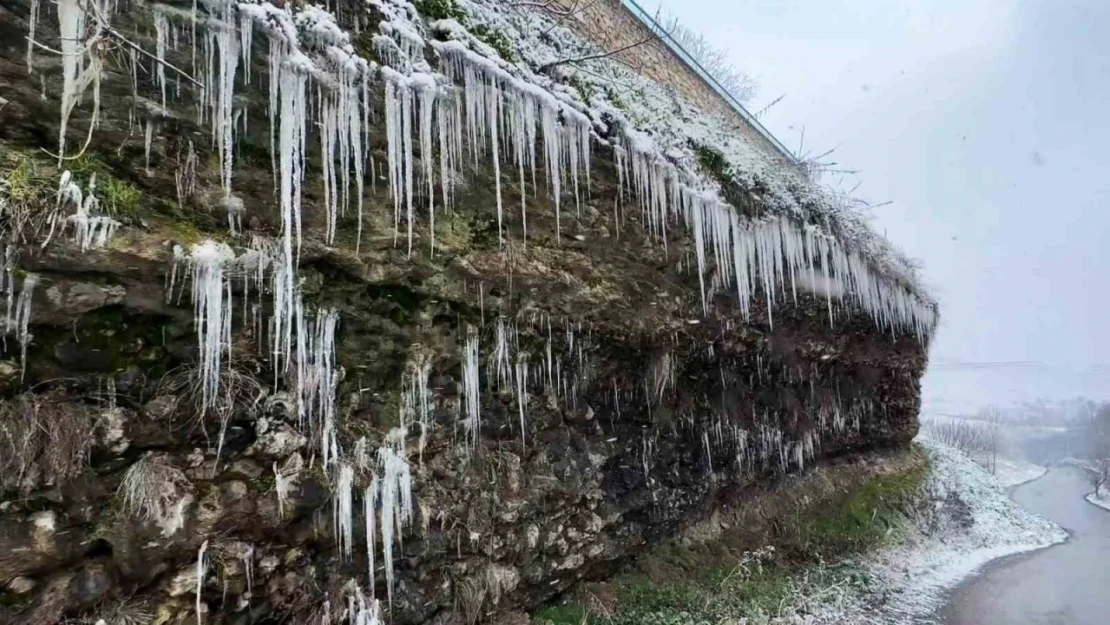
(614, 409)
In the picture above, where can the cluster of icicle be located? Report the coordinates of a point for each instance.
(500, 114)
(494, 115)
(558, 371)
(91, 229)
(766, 446)
(482, 108)
(771, 254)
(18, 319)
(302, 347)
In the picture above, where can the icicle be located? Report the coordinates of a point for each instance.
(211, 312)
(521, 391)
(283, 485)
(471, 390)
(227, 44)
(396, 505)
(427, 101)
(343, 510)
(71, 26)
(418, 398)
(500, 358)
(201, 570)
(370, 501)
(32, 21)
(161, 28)
(246, 558)
(23, 318)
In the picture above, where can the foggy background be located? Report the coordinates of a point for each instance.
(985, 123)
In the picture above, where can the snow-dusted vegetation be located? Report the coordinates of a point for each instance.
(976, 522)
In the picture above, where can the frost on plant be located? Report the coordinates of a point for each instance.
(90, 229)
(156, 491)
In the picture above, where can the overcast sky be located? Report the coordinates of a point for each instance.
(985, 123)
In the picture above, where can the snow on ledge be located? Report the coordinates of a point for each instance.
(1102, 502)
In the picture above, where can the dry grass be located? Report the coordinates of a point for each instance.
(119, 612)
(238, 389)
(45, 440)
(152, 489)
(27, 205)
(478, 592)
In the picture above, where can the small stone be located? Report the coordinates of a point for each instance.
(161, 407)
(21, 585)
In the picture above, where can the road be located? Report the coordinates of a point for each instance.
(1068, 584)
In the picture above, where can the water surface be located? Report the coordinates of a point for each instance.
(1068, 584)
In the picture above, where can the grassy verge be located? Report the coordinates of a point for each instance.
(797, 559)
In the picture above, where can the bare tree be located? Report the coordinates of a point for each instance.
(980, 438)
(1096, 431)
(993, 429)
(715, 61)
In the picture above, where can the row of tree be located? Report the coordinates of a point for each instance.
(1079, 430)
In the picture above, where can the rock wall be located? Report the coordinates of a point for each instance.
(639, 415)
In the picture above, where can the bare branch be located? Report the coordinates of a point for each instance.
(124, 40)
(554, 7)
(766, 108)
(653, 36)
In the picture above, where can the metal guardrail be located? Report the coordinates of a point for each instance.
(689, 60)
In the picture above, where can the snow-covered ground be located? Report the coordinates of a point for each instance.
(1102, 502)
(975, 522)
(970, 522)
(1015, 472)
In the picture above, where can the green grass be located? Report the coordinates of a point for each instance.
(870, 516)
(563, 614)
(712, 163)
(120, 198)
(439, 10)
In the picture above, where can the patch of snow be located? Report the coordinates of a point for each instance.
(1015, 472)
(912, 579)
(45, 522)
(1102, 501)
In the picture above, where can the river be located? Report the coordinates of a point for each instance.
(1067, 584)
